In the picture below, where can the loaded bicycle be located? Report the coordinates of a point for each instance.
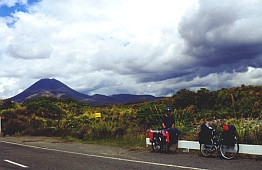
(227, 145)
(164, 140)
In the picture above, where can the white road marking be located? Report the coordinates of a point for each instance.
(106, 157)
(14, 163)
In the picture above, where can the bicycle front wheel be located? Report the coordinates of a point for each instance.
(172, 148)
(206, 150)
(155, 146)
(229, 152)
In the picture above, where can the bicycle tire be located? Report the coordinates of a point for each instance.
(155, 146)
(172, 148)
(229, 152)
(206, 150)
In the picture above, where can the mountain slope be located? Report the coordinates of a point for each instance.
(54, 88)
(50, 88)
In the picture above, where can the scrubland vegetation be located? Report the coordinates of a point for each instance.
(128, 124)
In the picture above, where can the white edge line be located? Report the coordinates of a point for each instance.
(106, 157)
(23, 166)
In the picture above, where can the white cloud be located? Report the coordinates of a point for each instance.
(29, 50)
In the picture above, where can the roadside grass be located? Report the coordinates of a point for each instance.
(124, 126)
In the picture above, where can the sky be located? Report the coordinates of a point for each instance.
(154, 47)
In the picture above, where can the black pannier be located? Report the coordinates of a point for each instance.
(158, 136)
(228, 135)
(173, 136)
(205, 135)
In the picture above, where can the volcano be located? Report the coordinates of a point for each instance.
(55, 88)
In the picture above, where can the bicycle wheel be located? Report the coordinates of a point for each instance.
(206, 150)
(229, 152)
(155, 146)
(172, 148)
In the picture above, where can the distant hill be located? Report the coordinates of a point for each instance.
(54, 88)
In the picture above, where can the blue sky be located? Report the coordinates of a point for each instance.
(130, 46)
(7, 11)
(9, 8)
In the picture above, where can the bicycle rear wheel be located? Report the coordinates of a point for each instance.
(229, 152)
(206, 150)
(172, 148)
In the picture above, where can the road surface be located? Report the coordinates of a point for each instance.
(42, 153)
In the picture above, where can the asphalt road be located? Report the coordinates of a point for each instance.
(40, 153)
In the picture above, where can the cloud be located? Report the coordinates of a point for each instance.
(224, 36)
(132, 46)
(29, 50)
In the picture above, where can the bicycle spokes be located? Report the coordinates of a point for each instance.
(229, 152)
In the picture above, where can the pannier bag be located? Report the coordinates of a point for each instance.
(165, 136)
(154, 134)
(205, 135)
(228, 135)
(173, 137)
